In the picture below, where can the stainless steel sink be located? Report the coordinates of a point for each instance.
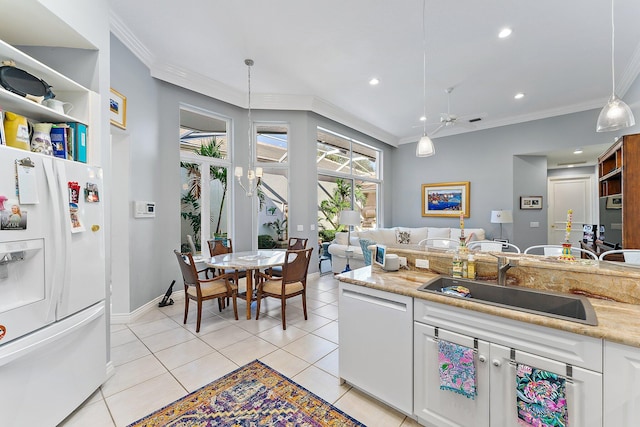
(574, 308)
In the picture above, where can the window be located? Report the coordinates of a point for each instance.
(348, 178)
(204, 167)
(272, 155)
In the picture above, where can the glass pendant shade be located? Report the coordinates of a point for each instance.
(615, 115)
(425, 147)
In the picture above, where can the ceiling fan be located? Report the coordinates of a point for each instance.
(448, 119)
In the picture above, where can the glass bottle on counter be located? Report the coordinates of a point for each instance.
(456, 268)
(471, 267)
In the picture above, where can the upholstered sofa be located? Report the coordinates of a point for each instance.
(395, 236)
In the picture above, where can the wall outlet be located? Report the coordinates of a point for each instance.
(312, 227)
(422, 263)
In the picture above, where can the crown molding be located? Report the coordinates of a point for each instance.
(630, 73)
(266, 101)
(122, 32)
(546, 114)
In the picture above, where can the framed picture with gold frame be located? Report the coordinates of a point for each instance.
(118, 109)
(446, 199)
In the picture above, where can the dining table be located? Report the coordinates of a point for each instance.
(252, 262)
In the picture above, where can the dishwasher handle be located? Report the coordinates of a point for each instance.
(371, 299)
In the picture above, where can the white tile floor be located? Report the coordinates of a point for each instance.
(159, 360)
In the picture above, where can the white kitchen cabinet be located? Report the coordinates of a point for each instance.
(376, 342)
(500, 343)
(437, 407)
(583, 388)
(621, 385)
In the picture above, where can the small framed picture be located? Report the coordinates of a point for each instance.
(614, 202)
(118, 109)
(531, 202)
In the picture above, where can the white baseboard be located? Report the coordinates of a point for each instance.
(124, 318)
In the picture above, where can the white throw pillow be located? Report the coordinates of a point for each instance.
(417, 234)
(385, 236)
(341, 238)
(438, 233)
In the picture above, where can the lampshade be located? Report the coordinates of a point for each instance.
(501, 217)
(350, 217)
(615, 115)
(425, 147)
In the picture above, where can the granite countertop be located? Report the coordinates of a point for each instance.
(617, 322)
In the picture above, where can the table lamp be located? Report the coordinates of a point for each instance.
(349, 218)
(501, 217)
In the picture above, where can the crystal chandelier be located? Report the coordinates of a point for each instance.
(253, 175)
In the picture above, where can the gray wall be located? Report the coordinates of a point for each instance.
(146, 158)
(501, 165)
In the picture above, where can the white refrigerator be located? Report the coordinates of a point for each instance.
(52, 287)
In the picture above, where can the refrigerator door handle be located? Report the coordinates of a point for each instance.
(57, 227)
(65, 238)
(21, 347)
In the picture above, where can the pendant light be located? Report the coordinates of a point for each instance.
(616, 114)
(253, 176)
(425, 146)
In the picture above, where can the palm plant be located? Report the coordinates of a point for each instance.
(340, 200)
(209, 149)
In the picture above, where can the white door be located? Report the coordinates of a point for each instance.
(84, 273)
(576, 194)
(582, 389)
(441, 407)
(28, 269)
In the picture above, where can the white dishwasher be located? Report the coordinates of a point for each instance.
(376, 344)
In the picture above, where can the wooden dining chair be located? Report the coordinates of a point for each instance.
(199, 290)
(297, 243)
(292, 283)
(221, 247)
(294, 244)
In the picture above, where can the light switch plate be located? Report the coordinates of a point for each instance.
(300, 227)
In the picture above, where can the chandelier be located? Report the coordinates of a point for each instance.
(253, 175)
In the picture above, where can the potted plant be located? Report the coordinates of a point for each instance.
(280, 226)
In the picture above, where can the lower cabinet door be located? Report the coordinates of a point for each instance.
(435, 403)
(621, 385)
(531, 387)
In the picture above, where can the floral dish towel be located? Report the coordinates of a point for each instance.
(457, 368)
(541, 398)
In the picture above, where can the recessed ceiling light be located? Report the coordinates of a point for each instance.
(577, 151)
(519, 95)
(374, 81)
(423, 118)
(504, 33)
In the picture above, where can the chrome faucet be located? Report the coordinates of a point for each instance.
(504, 264)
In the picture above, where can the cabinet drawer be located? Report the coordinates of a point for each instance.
(566, 347)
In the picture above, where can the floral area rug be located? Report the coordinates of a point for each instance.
(253, 395)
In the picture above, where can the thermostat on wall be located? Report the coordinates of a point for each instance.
(144, 209)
